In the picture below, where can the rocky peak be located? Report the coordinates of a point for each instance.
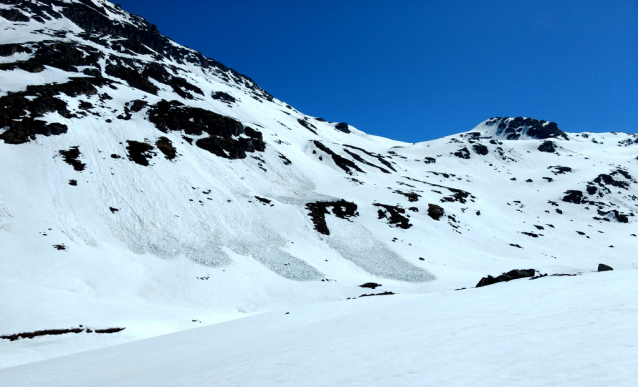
(513, 128)
(102, 21)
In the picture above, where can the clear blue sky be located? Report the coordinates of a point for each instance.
(418, 70)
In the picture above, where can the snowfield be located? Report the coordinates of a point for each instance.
(565, 331)
(156, 194)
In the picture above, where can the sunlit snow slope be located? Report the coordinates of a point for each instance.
(147, 187)
(555, 331)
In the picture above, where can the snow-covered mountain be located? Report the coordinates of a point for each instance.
(147, 187)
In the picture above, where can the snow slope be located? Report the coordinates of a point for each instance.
(576, 331)
(147, 187)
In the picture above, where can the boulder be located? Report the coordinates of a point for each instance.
(547, 146)
(435, 211)
(510, 275)
(603, 267)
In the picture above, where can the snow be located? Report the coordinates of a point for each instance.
(551, 331)
(191, 246)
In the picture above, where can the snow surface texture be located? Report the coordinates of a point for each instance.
(564, 331)
(217, 226)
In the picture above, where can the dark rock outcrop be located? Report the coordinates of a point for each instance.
(340, 208)
(435, 211)
(547, 146)
(462, 153)
(480, 149)
(223, 96)
(307, 125)
(166, 146)
(222, 130)
(573, 196)
(603, 267)
(71, 157)
(510, 275)
(396, 215)
(343, 163)
(20, 111)
(512, 128)
(140, 152)
(343, 127)
(412, 196)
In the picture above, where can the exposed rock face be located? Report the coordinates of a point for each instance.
(435, 211)
(396, 215)
(603, 267)
(480, 149)
(140, 152)
(20, 111)
(573, 196)
(514, 128)
(222, 130)
(223, 96)
(71, 157)
(340, 208)
(166, 146)
(547, 146)
(510, 275)
(462, 153)
(347, 165)
(343, 127)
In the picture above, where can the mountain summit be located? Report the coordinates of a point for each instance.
(150, 188)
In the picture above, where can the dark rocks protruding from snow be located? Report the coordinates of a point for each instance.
(53, 332)
(166, 146)
(547, 146)
(603, 267)
(429, 160)
(133, 77)
(342, 127)
(307, 125)
(363, 161)
(223, 96)
(343, 163)
(137, 105)
(412, 196)
(20, 111)
(573, 196)
(480, 149)
(559, 169)
(340, 208)
(140, 152)
(512, 128)
(387, 293)
(510, 275)
(372, 154)
(370, 285)
(462, 153)
(10, 49)
(396, 217)
(615, 179)
(435, 211)
(222, 130)
(614, 215)
(71, 157)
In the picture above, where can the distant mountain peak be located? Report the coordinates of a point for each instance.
(515, 128)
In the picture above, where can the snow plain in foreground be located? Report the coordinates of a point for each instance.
(577, 331)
